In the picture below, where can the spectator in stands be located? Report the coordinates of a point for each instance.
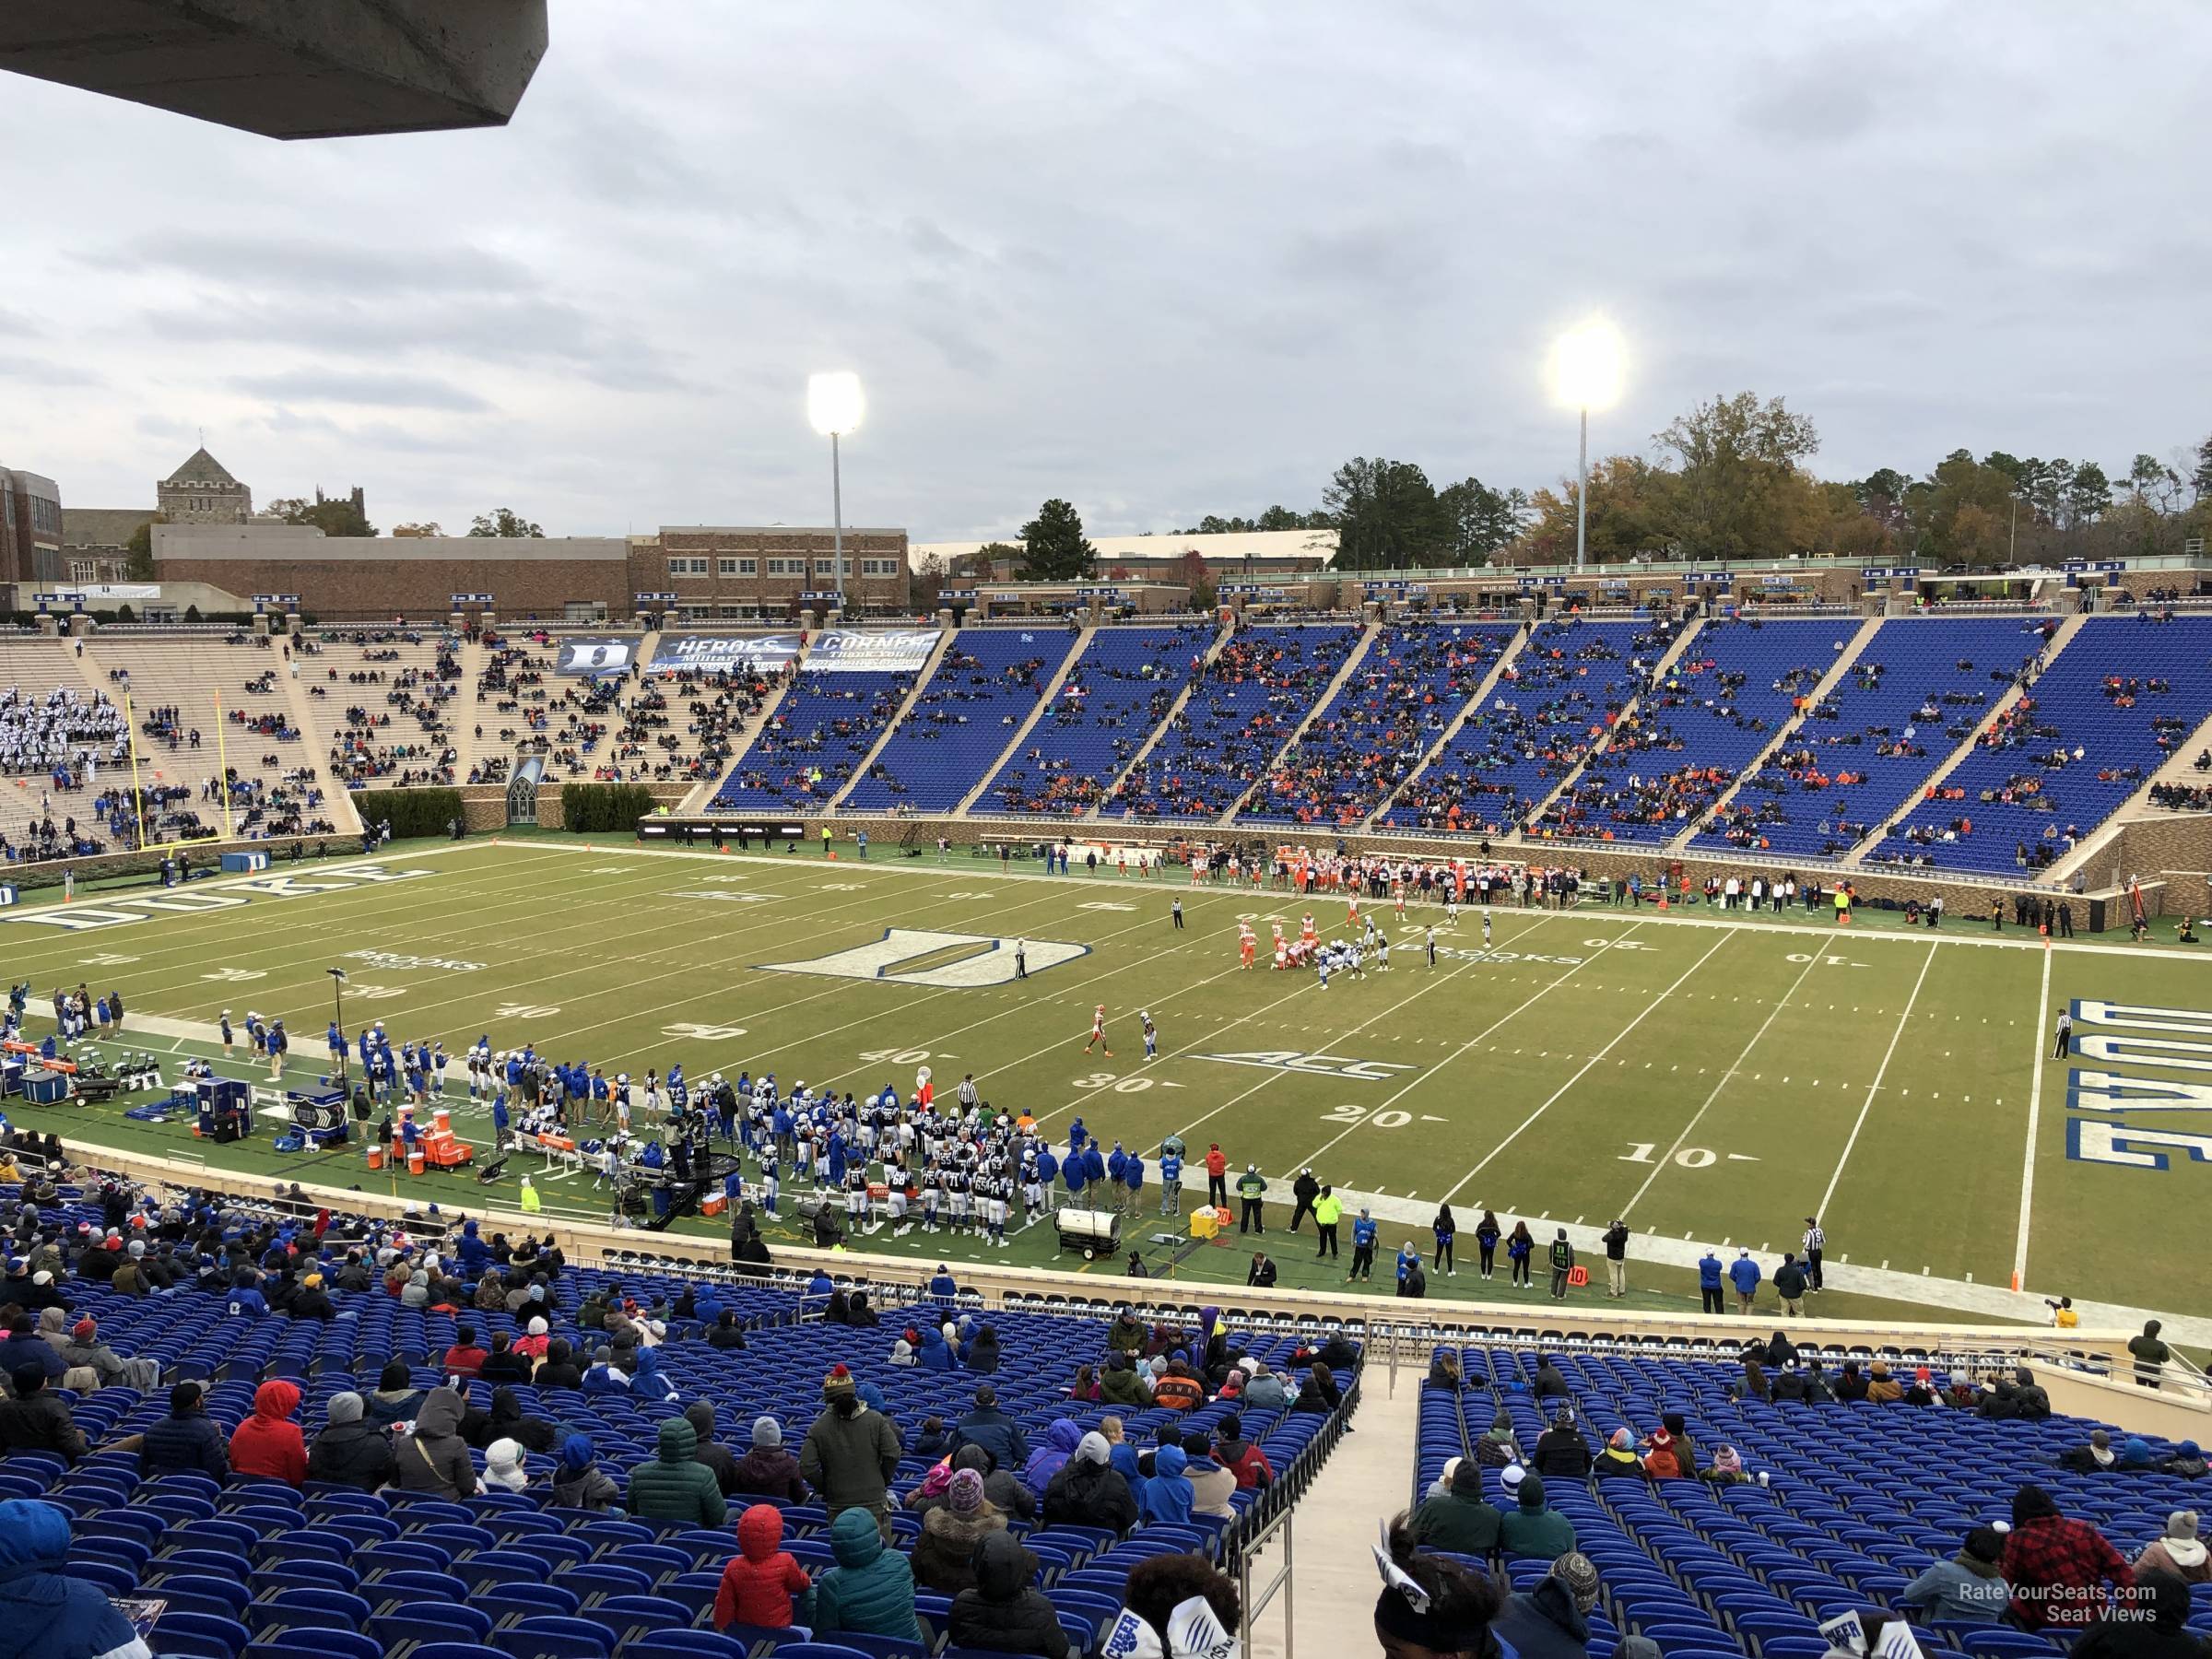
(2135, 1457)
(870, 1591)
(724, 1332)
(1459, 1519)
(1167, 1497)
(1662, 1456)
(434, 1458)
(944, 1557)
(672, 1486)
(2089, 1459)
(1561, 1452)
(710, 1452)
(1618, 1460)
(1122, 1384)
(397, 1399)
(47, 1612)
(2056, 1565)
(2126, 1633)
(578, 1481)
(559, 1369)
(767, 1470)
(1532, 1529)
(350, 1451)
(507, 1465)
(1048, 1460)
(2187, 1461)
(933, 1439)
(187, 1441)
(1088, 1491)
(981, 1353)
(1968, 1588)
(1318, 1392)
(1176, 1605)
(850, 1453)
(1242, 1457)
(1213, 1486)
(1552, 1620)
(758, 1585)
(992, 1430)
(1727, 1469)
(1180, 1388)
(2177, 1550)
(1263, 1390)
(2151, 1355)
(1882, 1389)
(1001, 1485)
(1003, 1614)
(1551, 1383)
(464, 1359)
(268, 1443)
(1450, 1609)
(24, 1348)
(37, 1419)
(2031, 1402)
(1445, 1370)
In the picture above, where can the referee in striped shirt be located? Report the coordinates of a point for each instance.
(1815, 1242)
(969, 1095)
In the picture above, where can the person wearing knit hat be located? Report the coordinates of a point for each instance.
(944, 1556)
(1431, 1606)
(1618, 1460)
(850, 1453)
(767, 1470)
(964, 1492)
(2178, 1551)
(838, 1382)
(767, 1432)
(1727, 1469)
(504, 1466)
(1553, 1617)
(1967, 1589)
(1092, 1448)
(2187, 1461)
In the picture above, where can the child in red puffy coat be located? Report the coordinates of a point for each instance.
(269, 1442)
(761, 1581)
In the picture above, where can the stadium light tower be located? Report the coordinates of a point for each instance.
(1586, 368)
(834, 406)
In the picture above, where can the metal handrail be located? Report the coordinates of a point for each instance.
(1255, 1603)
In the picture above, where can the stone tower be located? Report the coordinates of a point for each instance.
(202, 491)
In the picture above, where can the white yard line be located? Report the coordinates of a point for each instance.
(1774, 1013)
(1489, 1030)
(1875, 1088)
(1652, 1007)
(2035, 1119)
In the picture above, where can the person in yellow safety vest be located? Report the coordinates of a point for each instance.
(825, 840)
(1843, 904)
(531, 1203)
(1328, 1209)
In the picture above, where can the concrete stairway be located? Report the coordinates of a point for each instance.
(2180, 769)
(929, 669)
(706, 789)
(1827, 683)
(1213, 654)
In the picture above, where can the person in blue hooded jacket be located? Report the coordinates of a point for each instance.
(44, 1614)
(1060, 1442)
(934, 1354)
(1133, 1180)
(649, 1381)
(1074, 1173)
(474, 1253)
(1167, 1497)
(1094, 1165)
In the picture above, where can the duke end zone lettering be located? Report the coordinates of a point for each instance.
(914, 957)
(215, 896)
(2100, 1102)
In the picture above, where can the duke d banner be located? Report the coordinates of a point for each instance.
(900, 651)
(723, 652)
(588, 653)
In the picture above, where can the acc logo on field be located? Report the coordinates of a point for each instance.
(914, 957)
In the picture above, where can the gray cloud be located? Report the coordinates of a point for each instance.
(1159, 260)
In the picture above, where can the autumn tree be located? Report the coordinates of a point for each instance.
(1743, 490)
(506, 522)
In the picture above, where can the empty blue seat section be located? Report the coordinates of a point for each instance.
(2111, 708)
(1117, 692)
(817, 738)
(1560, 693)
(1239, 715)
(1399, 699)
(1912, 696)
(962, 719)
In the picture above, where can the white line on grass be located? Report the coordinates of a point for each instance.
(1875, 1088)
(1772, 1014)
(1497, 1025)
(1656, 1003)
(2035, 1118)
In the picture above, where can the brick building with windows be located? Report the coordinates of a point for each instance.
(741, 573)
(31, 528)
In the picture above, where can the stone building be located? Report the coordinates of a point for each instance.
(202, 491)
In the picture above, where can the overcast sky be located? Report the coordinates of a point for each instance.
(1162, 260)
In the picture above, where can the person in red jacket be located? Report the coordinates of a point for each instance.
(1240, 1456)
(2057, 1565)
(763, 1578)
(269, 1443)
(1216, 1176)
(464, 1359)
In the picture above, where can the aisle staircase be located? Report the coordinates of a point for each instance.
(1369, 633)
(1044, 700)
(1183, 697)
(1483, 693)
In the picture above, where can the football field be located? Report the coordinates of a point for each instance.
(1710, 1078)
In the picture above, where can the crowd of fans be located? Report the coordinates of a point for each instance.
(1123, 685)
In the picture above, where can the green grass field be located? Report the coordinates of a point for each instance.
(1711, 1079)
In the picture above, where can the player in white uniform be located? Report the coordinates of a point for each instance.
(1151, 1037)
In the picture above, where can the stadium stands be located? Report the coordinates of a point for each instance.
(2120, 697)
(1250, 700)
(1914, 692)
(1119, 691)
(336, 1570)
(824, 728)
(382, 705)
(1680, 747)
(1840, 1507)
(1399, 700)
(961, 721)
(1557, 697)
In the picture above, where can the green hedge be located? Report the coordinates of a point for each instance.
(593, 808)
(413, 812)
